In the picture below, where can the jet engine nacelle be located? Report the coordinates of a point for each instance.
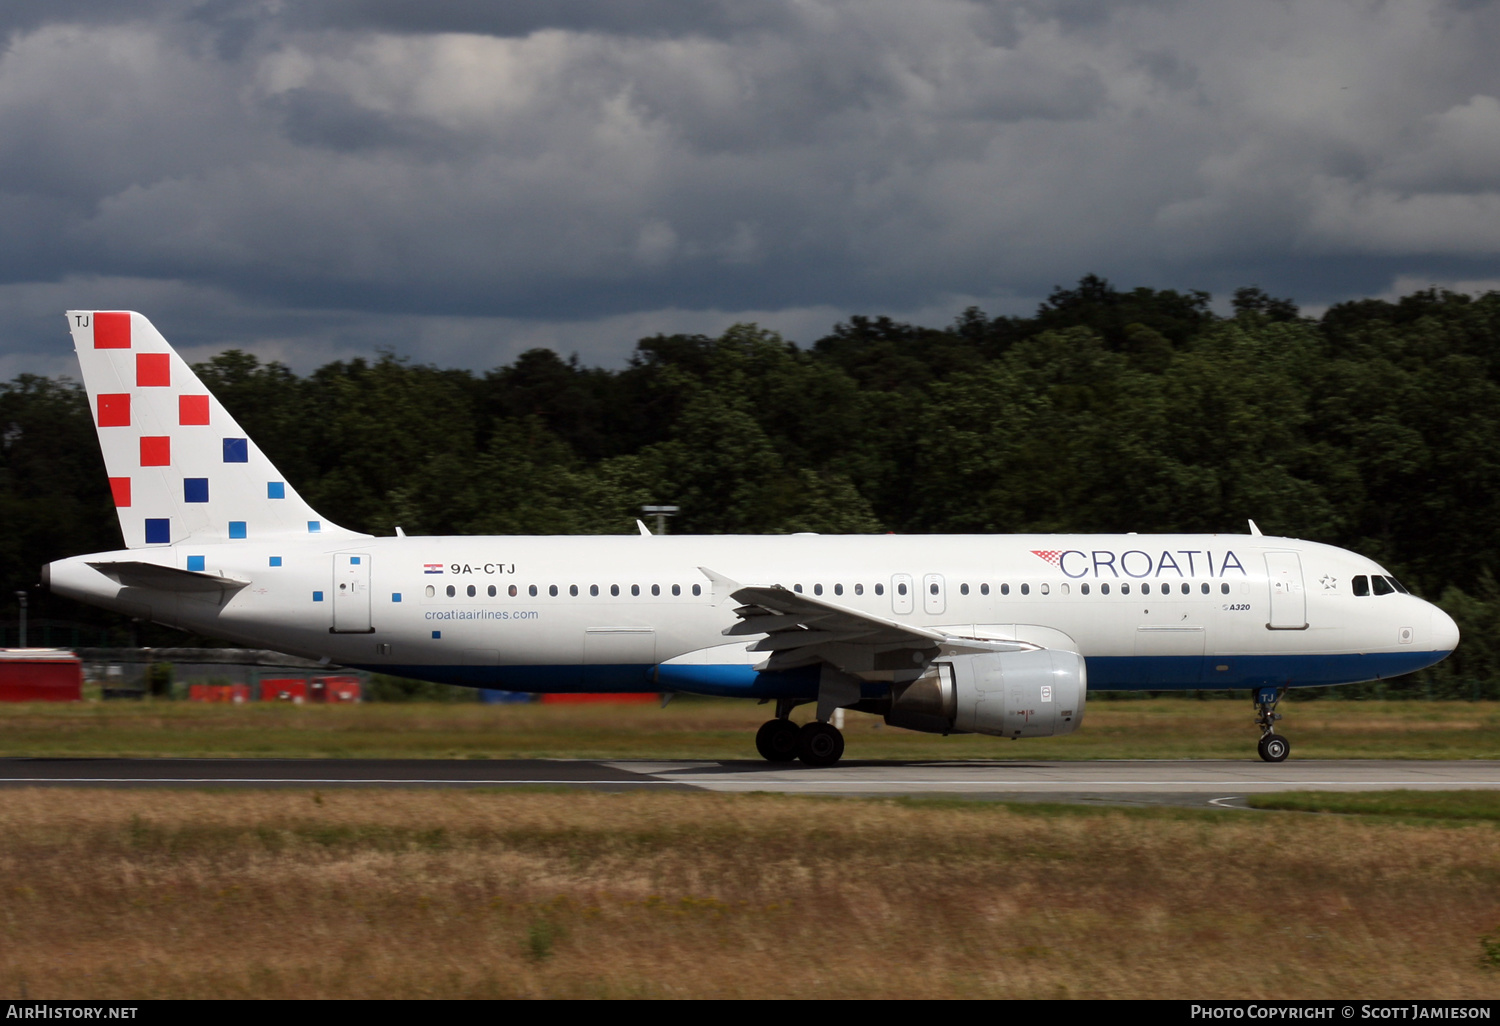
(1038, 693)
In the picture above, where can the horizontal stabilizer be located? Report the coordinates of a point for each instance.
(135, 574)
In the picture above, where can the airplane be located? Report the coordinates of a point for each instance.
(992, 634)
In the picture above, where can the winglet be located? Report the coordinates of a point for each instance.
(1254, 530)
(723, 587)
(644, 530)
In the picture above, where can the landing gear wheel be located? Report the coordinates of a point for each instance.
(820, 744)
(776, 740)
(1274, 748)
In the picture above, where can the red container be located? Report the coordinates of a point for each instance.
(336, 689)
(235, 693)
(40, 675)
(289, 689)
(627, 698)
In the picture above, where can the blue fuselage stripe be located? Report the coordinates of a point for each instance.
(1105, 673)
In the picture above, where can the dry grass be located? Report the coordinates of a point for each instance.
(1164, 728)
(156, 894)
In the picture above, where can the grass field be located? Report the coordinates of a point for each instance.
(1162, 728)
(1415, 806)
(367, 893)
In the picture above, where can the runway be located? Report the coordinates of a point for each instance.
(1178, 782)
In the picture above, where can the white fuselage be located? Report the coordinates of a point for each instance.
(637, 613)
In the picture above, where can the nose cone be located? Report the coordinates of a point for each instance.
(1444, 632)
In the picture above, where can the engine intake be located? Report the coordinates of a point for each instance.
(1040, 693)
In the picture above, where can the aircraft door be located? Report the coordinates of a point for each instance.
(351, 594)
(1288, 600)
(902, 601)
(934, 598)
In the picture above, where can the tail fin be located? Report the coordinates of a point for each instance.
(179, 466)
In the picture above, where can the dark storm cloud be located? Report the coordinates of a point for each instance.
(326, 171)
(523, 17)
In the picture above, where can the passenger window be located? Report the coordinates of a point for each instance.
(880, 589)
(552, 590)
(676, 589)
(1224, 587)
(797, 588)
(1104, 589)
(1381, 585)
(431, 591)
(594, 589)
(531, 591)
(471, 591)
(1145, 589)
(490, 591)
(1025, 589)
(512, 591)
(838, 589)
(1005, 589)
(452, 591)
(817, 589)
(984, 589)
(573, 590)
(901, 588)
(1065, 589)
(1205, 587)
(1084, 588)
(1186, 588)
(933, 588)
(1125, 589)
(635, 590)
(614, 590)
(697, 589)
(859, 589)
(655, 589)
(963, 589)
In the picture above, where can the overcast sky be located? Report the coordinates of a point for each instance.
(459, 180)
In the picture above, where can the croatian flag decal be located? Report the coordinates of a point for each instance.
(1053, 556)
(432, 568)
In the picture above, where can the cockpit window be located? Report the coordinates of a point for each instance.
(1398, 586)
(1381, 585)
(1361, 586)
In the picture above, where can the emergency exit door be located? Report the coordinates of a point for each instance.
(1288, 599)
(351, 594)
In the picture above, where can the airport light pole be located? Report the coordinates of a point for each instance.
(21, 597)
(661, 513)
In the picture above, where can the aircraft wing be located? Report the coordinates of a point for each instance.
(803, 630)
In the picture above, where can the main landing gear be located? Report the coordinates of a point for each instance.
(1272, 746)
(781, 740)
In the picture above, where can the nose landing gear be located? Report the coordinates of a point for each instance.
(1272, 746)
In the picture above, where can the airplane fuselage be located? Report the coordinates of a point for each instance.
(637, 613)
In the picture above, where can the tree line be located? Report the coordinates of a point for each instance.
(1372, 427)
